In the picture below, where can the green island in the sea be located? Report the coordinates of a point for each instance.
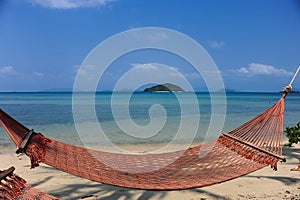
(167, 87)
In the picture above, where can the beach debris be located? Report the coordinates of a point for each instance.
(296, 168)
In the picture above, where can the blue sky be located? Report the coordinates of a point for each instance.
(255, 44)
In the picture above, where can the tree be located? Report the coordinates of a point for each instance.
(293, 133)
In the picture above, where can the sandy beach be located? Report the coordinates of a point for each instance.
(262, 184)
(149, 77)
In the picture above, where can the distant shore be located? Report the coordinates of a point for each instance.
(141, 91)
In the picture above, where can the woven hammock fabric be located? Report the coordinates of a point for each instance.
(250, 147)
(15, 187)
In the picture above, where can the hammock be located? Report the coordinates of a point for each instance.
(252, 146)
(249, 147)
(14, 187)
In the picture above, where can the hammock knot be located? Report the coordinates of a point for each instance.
(286, 90)
(36, 149)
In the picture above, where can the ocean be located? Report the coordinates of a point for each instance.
(51, 114)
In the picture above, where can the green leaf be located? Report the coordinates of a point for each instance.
(293, 134)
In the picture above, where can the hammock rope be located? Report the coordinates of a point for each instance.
(13, 186)
(247, 148)
(294, 77)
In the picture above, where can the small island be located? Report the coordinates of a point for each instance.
(167, 87)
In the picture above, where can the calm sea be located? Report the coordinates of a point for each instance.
(51, 114)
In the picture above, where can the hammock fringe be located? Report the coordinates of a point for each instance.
(249, 153)
(13, 186)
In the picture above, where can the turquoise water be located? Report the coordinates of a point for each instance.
(51, 114)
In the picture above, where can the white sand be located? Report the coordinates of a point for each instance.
(262, 184)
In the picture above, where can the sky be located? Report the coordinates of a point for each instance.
(255, 44)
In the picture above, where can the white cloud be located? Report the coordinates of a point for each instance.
(145, 67)
(192, 75)
(152, 66)
(172, 71)
(156, 37)
(152, 36)
(154, 73)
(243, 70)
(262, 69)
(75, 68)
(156, 68)
(69, 4)
(7, 70)
(39, 74)
(215, 44)
(88, 72)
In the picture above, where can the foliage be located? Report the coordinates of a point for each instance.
(293, 133)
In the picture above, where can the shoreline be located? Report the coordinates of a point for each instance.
(262, 184)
